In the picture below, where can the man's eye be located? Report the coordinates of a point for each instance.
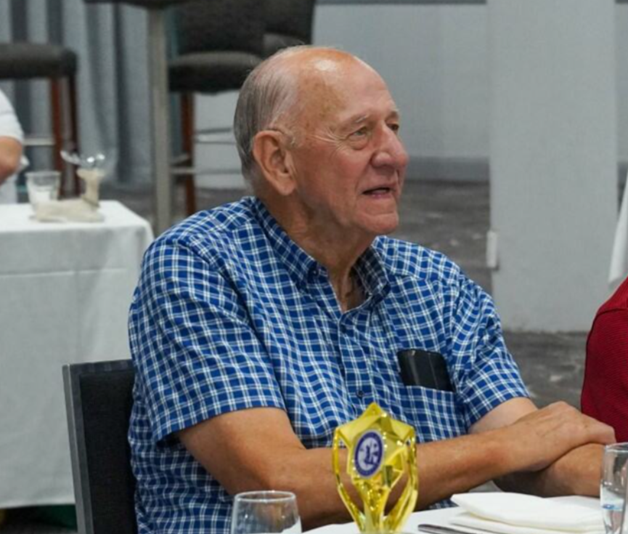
(360, 133)
(395, 127)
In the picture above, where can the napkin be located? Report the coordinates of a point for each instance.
(516, 513)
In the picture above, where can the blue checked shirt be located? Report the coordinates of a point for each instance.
(231, 314)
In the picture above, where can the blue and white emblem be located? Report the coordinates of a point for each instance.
(369, 453)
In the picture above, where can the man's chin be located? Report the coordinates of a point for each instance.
(384, 225)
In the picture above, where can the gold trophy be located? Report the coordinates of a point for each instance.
(380, 451)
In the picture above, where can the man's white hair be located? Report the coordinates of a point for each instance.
(268, 99)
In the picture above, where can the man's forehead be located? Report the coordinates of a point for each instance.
(329, 91)
(346, 110)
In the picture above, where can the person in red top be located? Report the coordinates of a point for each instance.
(605, 387)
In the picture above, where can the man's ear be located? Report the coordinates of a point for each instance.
(272, 158)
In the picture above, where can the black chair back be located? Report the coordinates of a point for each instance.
(291, 17)
(288, 23)
(98, 400)
(219, 25)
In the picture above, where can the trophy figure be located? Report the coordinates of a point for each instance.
(380, 452)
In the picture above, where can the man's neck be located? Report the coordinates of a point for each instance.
(337, 252)
(339, 257)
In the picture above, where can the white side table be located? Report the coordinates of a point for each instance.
(65, 291)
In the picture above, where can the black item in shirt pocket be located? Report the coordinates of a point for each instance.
(424, 368)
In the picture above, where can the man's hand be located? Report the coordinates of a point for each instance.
(543, 436)
(559, 447)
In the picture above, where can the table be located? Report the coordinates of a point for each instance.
(441, 517)
(435, 517)
(65, 290)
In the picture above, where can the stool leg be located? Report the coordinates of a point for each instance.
(187, 141)
(73, 108)
(56, 106)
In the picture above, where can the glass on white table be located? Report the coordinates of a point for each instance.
(94, 158)
(93, 166)
(42, 186)
(265, 512)
(613, 486)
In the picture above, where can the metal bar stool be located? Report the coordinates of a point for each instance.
(219, 43)
(29, 61)
(159, 108)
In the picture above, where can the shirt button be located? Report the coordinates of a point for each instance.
(360, 394)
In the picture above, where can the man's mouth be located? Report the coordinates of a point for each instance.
(378, 191)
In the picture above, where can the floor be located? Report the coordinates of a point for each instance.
(452, 217)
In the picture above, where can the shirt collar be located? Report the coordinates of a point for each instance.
(371, 272)
(299, 264)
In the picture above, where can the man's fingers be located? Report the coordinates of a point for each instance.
(601, 432)
(551, 432)
(583, 427)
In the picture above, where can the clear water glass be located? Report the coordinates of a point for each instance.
(42, 186)
(265, 512)
(613, 486)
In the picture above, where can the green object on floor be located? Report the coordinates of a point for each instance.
(61, 516)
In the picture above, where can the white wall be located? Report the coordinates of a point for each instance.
(435, 59)
(553, 159)
(621, 33)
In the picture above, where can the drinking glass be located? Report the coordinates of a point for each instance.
(42, 186)
(613, 486)
(262, 512)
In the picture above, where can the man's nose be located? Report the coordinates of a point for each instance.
(391, 151)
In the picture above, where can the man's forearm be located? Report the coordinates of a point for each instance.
(576, 473)
(277, 459)
(10, 155)
(445, 467)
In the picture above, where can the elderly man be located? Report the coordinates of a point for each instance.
(11, 138)
(259, 327)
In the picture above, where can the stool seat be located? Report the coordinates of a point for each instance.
(57, 65)
(36, 60)
(210, 72)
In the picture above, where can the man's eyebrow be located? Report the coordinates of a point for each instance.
(359, 119)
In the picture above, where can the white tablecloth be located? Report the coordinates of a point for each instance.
(65, 290)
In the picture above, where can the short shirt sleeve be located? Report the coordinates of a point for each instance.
(485, 374)
(193, 347)
(9, 125)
